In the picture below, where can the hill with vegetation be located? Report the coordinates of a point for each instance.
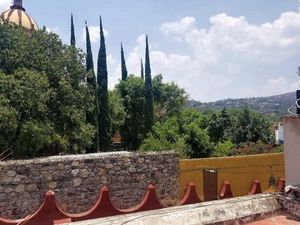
(274, 106)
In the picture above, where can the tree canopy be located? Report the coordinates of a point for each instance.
(51, 103)
(42, 95)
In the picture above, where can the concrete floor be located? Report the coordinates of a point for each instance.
(277, 220)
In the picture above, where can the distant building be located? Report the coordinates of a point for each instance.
(18, 15)
(279, 137)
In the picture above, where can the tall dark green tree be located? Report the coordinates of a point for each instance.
(132, 130)
(149, 110)
(142, 69)
(89, 57)
(73, 40)
(123, 65)
(102, 81)
(219, 126)
(93, 112)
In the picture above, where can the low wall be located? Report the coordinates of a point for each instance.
(239, 171)
(222, 212)
(76, 180)
(290, 206)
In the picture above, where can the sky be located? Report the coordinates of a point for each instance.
(213, 49)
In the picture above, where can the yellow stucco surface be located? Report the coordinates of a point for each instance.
(240, 171)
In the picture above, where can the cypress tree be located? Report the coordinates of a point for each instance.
(102, 80)
(149, 112)
(123, 65)
(142, 69)
(92, 117)
(73, 40)
(89, 57)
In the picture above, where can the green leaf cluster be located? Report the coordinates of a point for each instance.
(214, 134)
(43, 95)
(184, 133)
(169, 100)
(132, 130)
(239, 126)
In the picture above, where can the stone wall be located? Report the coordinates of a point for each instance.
(291, 206)
(76, 180)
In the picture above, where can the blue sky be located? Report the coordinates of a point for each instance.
(214, 49)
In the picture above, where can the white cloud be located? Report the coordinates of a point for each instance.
(232, 58)
(4, 5)
(277, 85)
(53, 30)
(94, 33)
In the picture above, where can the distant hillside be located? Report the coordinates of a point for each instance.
(275, 106)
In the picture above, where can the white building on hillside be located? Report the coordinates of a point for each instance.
(279, 133)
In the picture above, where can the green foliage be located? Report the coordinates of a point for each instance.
(123, 65)
(23, 99)
(93, 111)
(8, 121)
(91, 78)
(239, 126)
(132, 131)
(142, 69)
(165, 136)
(251, 127)
(50, 103)
(188, 116)
(251, 148)
(73, 40)
(169, 99)
(152, 144)
(102, 81)
(199, 129)
(220, 126)
(197, 141)
(149, 110)
(279, 148)
(116, 110)
(223, 149)
(183, 133)
(41, 95)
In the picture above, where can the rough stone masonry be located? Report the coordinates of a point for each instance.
(76, 180)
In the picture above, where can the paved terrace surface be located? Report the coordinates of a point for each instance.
(237, 210)
(277, 220)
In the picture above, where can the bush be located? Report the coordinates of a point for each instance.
(251, 148)
(225, 148)
(153, 144)
(183, 133)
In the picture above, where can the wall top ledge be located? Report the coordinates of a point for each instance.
(291, 117)
(95, 156)
(214, 212)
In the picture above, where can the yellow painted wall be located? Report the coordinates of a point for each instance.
(240, 171)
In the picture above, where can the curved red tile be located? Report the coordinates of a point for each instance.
(226, 191)
(48, 214)
(10, 222)
(281, 185)
(256, 188)
(149, 202)
(102, 208)
(190, 196)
